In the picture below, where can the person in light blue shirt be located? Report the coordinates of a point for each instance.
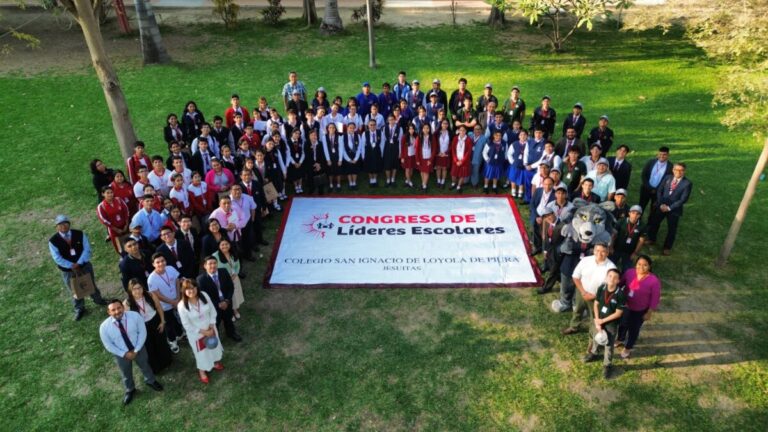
(150, 220)
(71, 251)
(478, 144)
(123, 335)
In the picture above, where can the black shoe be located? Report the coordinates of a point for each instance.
(607, 371)
(485, 190)
(235, 337)
(590, 358)
(543, 290)
(495, 191)
(459, 191)
(100, 301)
(79, 314)
(156, 386)
(128, 398)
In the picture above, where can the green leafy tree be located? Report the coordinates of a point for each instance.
(559, 19)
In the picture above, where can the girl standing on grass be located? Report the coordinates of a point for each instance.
(351, 154)
(461, 154)
(390, 139)
(443, 138)
(227, 259)
(425, 154)
(332, 149)
(493, 154)
(408, 146)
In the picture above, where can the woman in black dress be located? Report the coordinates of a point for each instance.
(148, 306)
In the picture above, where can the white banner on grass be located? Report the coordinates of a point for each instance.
(401, 242)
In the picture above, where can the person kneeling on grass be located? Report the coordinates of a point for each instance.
(608, 308)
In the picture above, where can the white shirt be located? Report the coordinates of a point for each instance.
(160, 181)
(592, 274)
(111, 337)
(165, 284)
(186, 175)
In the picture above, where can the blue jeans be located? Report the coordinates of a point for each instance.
(567, 289)
(79, 304)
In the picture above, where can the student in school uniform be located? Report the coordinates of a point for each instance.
(200, 198)
(351, 154)
(575, 120)
(544, 118)
(590, 161)
(192, 119)
(137, 160)
(408, 148)
(415, 96)
(478, 146)
(531, 157)
(375, 116)
(620, 167)
(321, 99)
(629, 239)
(433, 106)
(442, 138)
(222, 133)
(235, 107)
(173, 131)
(425, 155)
(294, 161)
(177, 254)
(275, 166)
(390, 141)
(315, 163)
(486, 98)
(539, 201)
(387, 100)
(372, 153)
(514, 107)
(494, 155)
(456, 101)
(406, 115)
(365, 99)
(401, 87)
(585, 192)
(113, 214)
(573, 169)
(465, 115)
(602, 135)
(180, 195)
(461, 158)
(297, 104)
(332, 150)
(516, 172)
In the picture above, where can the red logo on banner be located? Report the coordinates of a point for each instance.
(318, 225)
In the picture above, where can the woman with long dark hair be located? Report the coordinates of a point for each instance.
(148, 306)
(102, 176)
(643, 294)
(198, 316)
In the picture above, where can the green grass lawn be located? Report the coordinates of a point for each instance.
(392, 359)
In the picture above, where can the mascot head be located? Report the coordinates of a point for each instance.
(591, 223)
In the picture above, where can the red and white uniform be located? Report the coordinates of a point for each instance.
(114, 215)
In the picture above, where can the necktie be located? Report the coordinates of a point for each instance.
(218, 287)
(173, 250)
(189, 240)
(616, 166)
(124, 334)
(673, 186)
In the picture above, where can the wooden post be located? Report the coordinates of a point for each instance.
(741, 213)
(371, 49)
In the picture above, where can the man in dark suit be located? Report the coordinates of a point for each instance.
(218, 285)
(602, 135)
(485, 118)
(585, 192)
(135, 264)
(671, 195)
(189, 235)
(177, 254)
(653, 172)
(575, 120)
(620, 167)
(174, 149)
(201, 160)
(541, 197)
(569, 141)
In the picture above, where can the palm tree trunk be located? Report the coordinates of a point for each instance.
(331, 20)
(310, 13)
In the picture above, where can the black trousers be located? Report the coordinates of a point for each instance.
(226, 316)
(654, 223)
(647, 195)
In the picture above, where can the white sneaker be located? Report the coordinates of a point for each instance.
(174, 347)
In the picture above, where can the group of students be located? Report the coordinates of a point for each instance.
(203, 203)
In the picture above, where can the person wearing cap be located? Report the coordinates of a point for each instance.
(71, 251)
(136, 161)
(539, 201)
(607, 310)
(140, 239)
(653, 172)
(236, 108)
(622, 208)
(293, 85)
(433, 105)
(442, 97)
(514, 107)
(321, 99)
(415, 97)
(602, 135)
(561, 206)
(620, 167)
(297, 104)
(544, 117)
(402, 87)
(557, 175)
(456, 102)
(365, 99)
(595, 154)
(575, 120)
(569, 141)
(629, 238)
(387, 100)
(605, 184)
(149, 219)
(485, 98)
(671, 195)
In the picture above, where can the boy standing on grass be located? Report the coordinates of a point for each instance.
(608, 307)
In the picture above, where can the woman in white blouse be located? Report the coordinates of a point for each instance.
(148, 306)
(198, 316)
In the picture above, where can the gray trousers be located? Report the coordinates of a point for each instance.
(79, 304)
(126, 369)
(475, 177)
(610, 330)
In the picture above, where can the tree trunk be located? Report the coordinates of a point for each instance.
(118, 109)
(331, 19)
(311, 17)
(496, 19)
(152, 47)
(741, 213)
(371, 48)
